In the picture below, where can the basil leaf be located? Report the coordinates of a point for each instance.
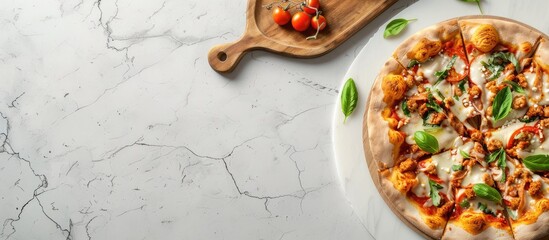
(465, 203)
(396, 26)
(426, 141)
(527, 119)
(456, 97)
(405, 109)
(501, 157)
(484, 208)
(494, 69)
(443, 74)
(481, 206)
(461, 85)
(497, 61)
(511, 57)
(498, 154)
(482, 190)
(432, 104)
(349, 98)
(464, 154)
(515, 87)
(413, 63)
(502, 164)
(537, 162)
(433, 192)
(478, 4)
(457, 167)
(502, 104)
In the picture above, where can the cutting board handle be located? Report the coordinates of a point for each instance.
(223, 58)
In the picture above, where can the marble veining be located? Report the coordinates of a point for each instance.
(113, 126)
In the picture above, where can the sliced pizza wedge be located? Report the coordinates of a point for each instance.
(419, 192)
(479, 212)
(402, 112)
(526, 196)
(498, 51)
(437, 57)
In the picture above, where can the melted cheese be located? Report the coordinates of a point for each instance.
(545, 90)
(460, 66)
(445, 135)
(438, 63)
(474, 176)
(462, 108)
(415, 124)
(534, 94)
(443, 162)
(504, 133)
(536, 147)
(492, 206)
(467, 148)
(422, 187)
(476, 73)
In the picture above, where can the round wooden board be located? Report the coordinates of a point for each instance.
(373, 167)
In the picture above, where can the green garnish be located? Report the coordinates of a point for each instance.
(502, 104)
(537, 162)
(396, 26)
(457, 167)
(478, 4)
(349, 98)
(413, 63)
(465, 203)
(405, 109)
(500, 156)
(433, 192)
(426, 141)
(484, 191)
(442, 74)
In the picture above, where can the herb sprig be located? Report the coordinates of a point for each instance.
(396, 26)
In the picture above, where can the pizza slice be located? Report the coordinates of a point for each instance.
(497, 62)
(436, 56)
(479, 212)
(420, 192)
(526, 196)
(408, 111)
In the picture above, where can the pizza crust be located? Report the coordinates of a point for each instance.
(455, 232)
(536, 230)
(509, 32)
(542, 54)
(439, 32)
(402, 206)
(377, 139)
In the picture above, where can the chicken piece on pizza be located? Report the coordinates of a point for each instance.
(479, 212)
(526, 197)
(436, 57)
(403, 113)
(418, 190)
(498, 51)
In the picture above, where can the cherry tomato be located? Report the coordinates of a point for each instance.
(310, 6)
(530, 129)
(319, 21)
(301, 21)
(281, 16)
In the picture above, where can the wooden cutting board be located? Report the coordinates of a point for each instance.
(344, 19)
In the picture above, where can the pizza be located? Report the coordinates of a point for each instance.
(457, 128)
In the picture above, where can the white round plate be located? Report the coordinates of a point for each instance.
(354, 176)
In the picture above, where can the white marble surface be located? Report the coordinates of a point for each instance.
(114, 126)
